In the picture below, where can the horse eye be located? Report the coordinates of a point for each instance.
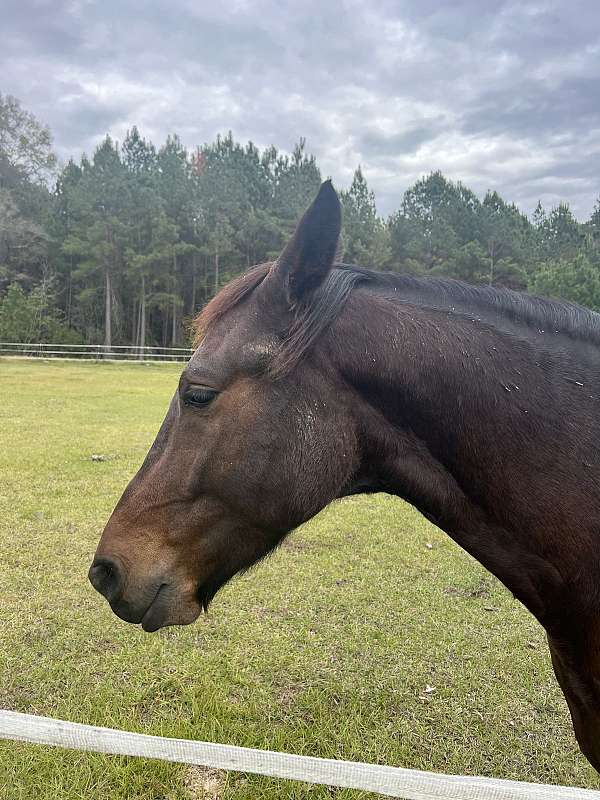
(199, 398)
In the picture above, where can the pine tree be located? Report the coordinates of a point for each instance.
(100, 233)
(365, 236)
(576, 279)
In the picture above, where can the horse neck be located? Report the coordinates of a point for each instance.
(455, 387)
(457, 417)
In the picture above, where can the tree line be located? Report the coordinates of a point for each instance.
(124, 246)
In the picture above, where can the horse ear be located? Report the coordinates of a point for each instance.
(313, 249)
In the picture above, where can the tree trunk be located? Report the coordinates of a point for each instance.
(216, 271)
(107, 310)
(165, 325)
(70, 294)
(174, 304)
(135, 322)
(142, 339)
(174, 322)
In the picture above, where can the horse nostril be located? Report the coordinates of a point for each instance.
(105, 577)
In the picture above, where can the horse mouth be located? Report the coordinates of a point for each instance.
(149, 615)
(155, 613)
(167, 607)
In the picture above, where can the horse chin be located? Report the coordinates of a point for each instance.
(165, 608)
(163, 613)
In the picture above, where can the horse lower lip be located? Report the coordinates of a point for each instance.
(151, 621)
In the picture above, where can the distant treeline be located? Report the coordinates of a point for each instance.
(124, 247)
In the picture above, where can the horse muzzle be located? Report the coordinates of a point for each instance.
(154, 605)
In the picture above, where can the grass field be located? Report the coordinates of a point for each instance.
(368, 636)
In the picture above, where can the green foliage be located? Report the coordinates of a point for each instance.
(593, 230)
(468, 262)
(560, 235)
(443, 229)
(366, 237)
(436, 217)
(23, 243)
(25, 144)
(16, 318)
(32, 318)
(576, 279)
(505, 234)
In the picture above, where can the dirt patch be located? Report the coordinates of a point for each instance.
(481, 590)
(288, 694)
(264, 612)
(296, 545)
(204, 783)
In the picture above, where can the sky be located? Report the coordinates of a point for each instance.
(498, 95)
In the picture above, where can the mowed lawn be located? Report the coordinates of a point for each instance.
(369, 635)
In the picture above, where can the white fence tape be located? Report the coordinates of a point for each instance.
(408, 784)
(117, 352)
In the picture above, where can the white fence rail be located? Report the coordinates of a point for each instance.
(98, 352)
(408, 784)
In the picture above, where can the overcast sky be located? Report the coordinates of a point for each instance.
(502, 95)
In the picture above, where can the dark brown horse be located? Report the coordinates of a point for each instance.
(313, 380)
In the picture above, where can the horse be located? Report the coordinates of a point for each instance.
(313, 379)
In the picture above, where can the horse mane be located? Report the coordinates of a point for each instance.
(456, 297)
(540, 313)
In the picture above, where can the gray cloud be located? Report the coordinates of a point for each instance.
(499, 95)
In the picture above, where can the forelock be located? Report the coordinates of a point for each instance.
(229, 297)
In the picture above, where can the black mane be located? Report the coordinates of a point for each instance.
(542, 314)
(500, 307)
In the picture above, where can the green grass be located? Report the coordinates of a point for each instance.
(326, 649)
